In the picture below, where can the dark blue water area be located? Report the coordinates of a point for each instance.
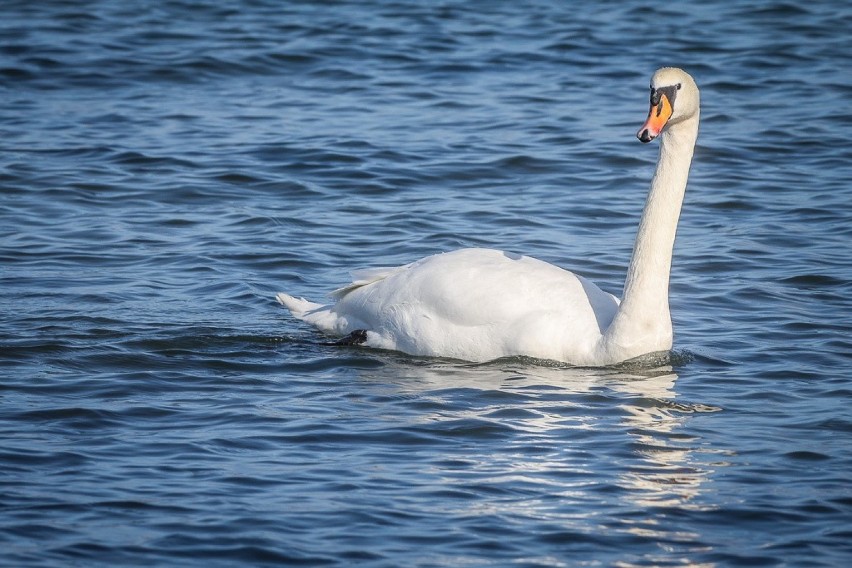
(167, 167)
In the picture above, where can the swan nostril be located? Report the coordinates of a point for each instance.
(644, 135)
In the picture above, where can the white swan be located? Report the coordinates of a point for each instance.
(479, 304)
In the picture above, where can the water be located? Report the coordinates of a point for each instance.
(166, 167)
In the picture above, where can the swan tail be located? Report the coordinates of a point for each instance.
(299, 307)
(320, 316)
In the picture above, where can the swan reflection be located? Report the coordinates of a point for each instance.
(580, 449)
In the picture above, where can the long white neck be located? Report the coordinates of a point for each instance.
(643, 322)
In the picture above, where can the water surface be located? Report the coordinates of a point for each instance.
(167, 167)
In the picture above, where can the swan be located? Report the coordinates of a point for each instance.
(479, 304)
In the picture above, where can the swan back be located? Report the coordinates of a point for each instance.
(475, 304)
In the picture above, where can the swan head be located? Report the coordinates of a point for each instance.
(674, 98)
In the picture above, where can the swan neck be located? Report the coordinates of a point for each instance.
(643, 322)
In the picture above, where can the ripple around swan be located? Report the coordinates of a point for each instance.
(166, 168)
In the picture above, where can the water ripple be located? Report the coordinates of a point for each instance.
(166, 168)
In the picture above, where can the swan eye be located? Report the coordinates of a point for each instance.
(657, 96)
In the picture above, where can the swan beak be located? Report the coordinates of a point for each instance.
(658, 115)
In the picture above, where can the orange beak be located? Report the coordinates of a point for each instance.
(658, 116)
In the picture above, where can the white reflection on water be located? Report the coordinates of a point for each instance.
(586, 450)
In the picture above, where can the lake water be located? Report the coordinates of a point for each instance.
(166, 167)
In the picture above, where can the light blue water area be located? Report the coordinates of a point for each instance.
(166, 167)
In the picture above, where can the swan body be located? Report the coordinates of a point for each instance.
(481, 304)
(472, 304)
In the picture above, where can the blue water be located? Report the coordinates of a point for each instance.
(166, 167)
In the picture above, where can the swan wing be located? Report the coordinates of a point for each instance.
(364, 277)
(477, 304)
